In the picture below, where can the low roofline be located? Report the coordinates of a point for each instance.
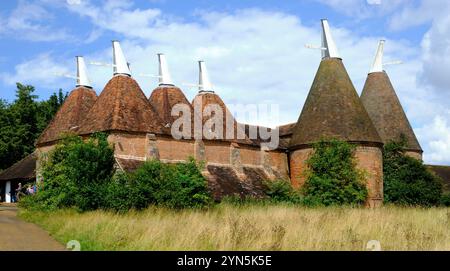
(17, 164)
(359, 143)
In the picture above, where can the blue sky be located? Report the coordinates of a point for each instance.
(20, 48)
(254, 49)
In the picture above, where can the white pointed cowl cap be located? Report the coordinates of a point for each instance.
(377, 65)
(164, 75)
(82, 77)
(120, 64)
(328, 44)
(204, 83)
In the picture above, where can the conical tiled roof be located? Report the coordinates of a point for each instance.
(163, 98)
(203, 99)
(122, 106)
(333, 109)
(69, 117)
(384, 108)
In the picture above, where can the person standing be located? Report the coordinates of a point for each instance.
(18, 191)
(12, 195)
(30, 190)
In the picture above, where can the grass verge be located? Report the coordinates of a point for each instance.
(251, 227)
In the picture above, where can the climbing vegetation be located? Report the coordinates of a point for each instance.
(332, 178)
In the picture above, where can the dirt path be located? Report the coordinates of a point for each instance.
(15, 234)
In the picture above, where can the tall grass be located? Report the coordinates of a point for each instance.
(251, 227)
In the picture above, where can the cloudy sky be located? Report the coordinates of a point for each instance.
(254, 49)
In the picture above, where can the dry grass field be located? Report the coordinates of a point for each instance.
(251, 227)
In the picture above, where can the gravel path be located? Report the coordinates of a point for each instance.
(18, 235)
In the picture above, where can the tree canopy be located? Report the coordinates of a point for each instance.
(23, 120)
(407, 181)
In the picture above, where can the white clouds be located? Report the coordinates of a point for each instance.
(348, 7)
(362, 9)
(255, 56)
(414, 15)
(30, 22)
(437, 138)
(248, 60)
(435, 44)
(40, 71)
(116, 15)
(436, 56)
(422, 83)
(93, 36)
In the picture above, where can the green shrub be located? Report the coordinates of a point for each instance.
(155, 183)
(172, 185)
(75, 174)
(80, 174)
(281, 191)
(119, 193)
(445, 199)
(332, 178)
(407, 181)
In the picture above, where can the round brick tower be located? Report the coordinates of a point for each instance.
(385, 110)
(333, 110)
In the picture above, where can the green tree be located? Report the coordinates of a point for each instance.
(407, 181)
(24, 110)
(76, 174)
(332, 178)
(22, 122)
(8, 153)
(18, 126)
(47, 109)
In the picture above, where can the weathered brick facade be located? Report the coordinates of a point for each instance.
(415, 154)
(369, 159)
(139, 130)
(298, 167)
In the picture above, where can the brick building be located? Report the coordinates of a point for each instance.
(141, 128)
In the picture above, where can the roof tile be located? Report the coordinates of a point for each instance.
(384, 108)
(122, 106)
(333, 109)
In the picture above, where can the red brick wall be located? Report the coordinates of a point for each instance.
(298, 166)
(128, 144)
(370, 159)
(250, 156)
(217, 152)
(415, 155)
(279, 162)
(170, 149)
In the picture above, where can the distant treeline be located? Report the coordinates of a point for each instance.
(22, 121)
